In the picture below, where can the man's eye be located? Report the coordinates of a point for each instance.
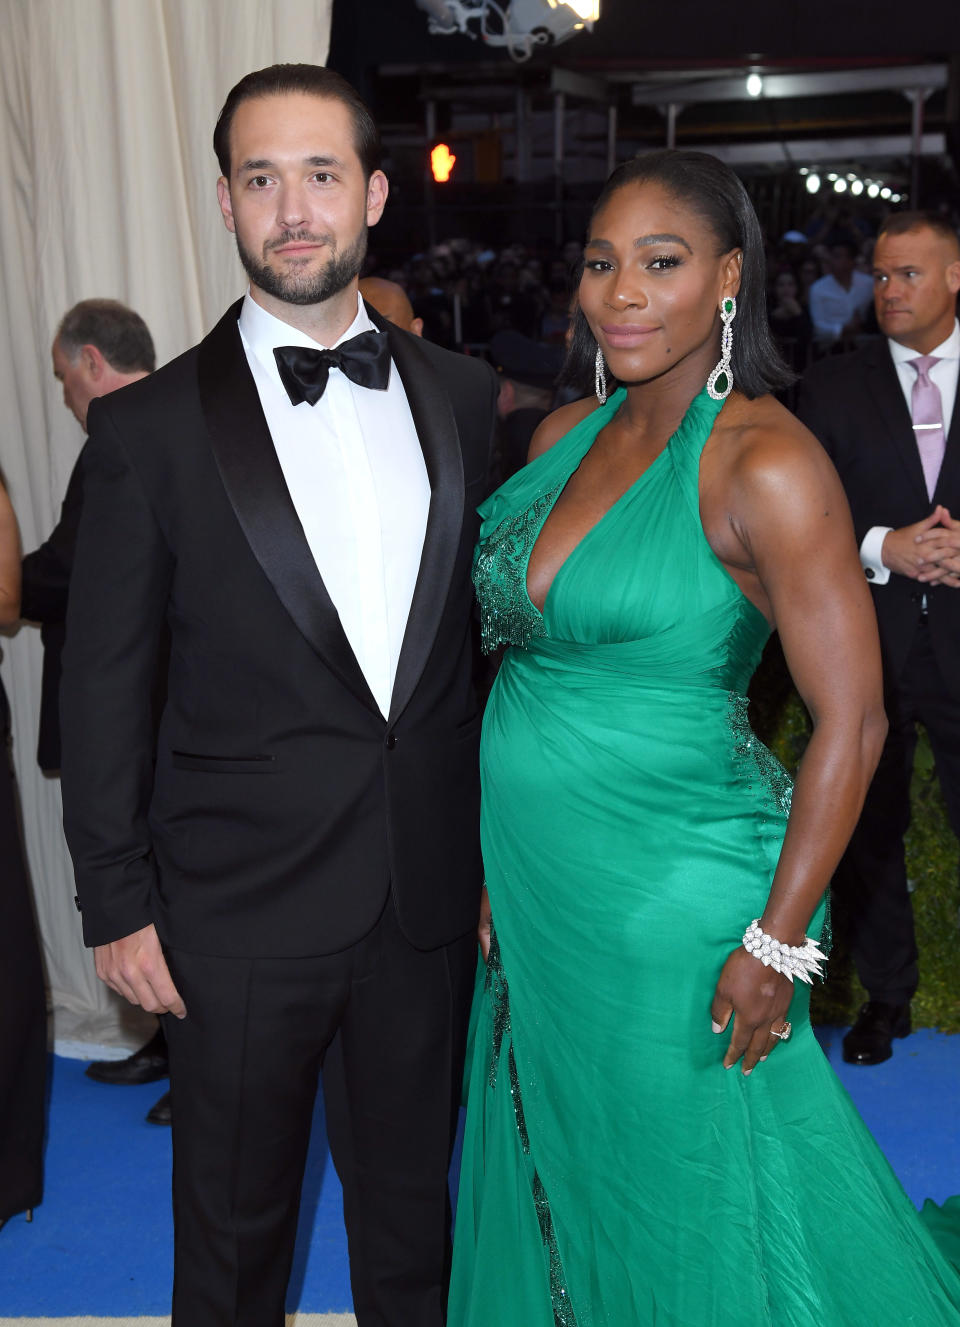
(321, 176)
(260, 181)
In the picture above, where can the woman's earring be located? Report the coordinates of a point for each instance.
(720, 382)
(600, 378)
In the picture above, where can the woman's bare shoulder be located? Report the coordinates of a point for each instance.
(558, 423)
(762, 442)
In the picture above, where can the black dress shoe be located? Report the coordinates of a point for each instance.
(160, 1112)
(144, 1066)
(870, 1039)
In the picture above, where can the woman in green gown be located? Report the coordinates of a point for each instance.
(646, 1141)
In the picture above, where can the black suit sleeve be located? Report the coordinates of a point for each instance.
(822, 407)
(46, 571)
(115, 616)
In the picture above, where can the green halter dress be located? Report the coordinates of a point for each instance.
(613, 1172)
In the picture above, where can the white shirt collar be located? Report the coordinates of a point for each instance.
(262, 332)
(949, 349)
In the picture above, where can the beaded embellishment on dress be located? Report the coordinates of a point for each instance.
(507, 615)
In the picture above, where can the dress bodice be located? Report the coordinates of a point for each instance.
(643, 591)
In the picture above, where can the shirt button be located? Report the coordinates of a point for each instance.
(391, 741)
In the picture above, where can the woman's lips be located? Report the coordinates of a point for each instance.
(623, 335)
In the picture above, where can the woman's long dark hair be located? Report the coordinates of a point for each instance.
(715, 193)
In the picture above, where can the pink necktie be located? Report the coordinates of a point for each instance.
(927, 410)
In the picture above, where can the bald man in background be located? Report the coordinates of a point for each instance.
(390, 300)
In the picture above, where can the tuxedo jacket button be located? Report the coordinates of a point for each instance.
(391, 741)
(76, 899)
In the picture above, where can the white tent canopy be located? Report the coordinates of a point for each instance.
(106, 127)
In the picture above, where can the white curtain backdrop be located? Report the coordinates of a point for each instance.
(106, 120)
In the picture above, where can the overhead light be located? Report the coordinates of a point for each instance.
(804, 170)
(840, 186)
(519, 25)
(873, 190)
(885, 192)
(894, 198)
(856, 187)
(754, 85)
(813, 182)
(832, 176)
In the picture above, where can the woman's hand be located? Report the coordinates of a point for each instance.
(758, 998)
(483, 929)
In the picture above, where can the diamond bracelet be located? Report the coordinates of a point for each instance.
(801, 961)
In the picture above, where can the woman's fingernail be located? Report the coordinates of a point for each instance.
(716, 1027)
(747, 1073)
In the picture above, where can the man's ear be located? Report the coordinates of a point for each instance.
(377, 190)
(953, 277)
(94, 365)
(226, 206)
(416, 327)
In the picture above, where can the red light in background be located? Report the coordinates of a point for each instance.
(442, 162)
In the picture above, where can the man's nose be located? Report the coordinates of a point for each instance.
(292, 207)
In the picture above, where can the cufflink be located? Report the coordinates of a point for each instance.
(869, 573)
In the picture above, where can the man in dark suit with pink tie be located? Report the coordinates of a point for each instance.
(887, 414)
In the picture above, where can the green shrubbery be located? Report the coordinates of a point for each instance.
(779, 718)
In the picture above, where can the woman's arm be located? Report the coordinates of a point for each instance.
(789, 512)
(9, 562)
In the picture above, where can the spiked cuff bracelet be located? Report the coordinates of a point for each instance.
(801, 961)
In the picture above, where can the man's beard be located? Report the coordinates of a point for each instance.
(335, 275)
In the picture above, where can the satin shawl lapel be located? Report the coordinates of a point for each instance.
(253, 478)
(440, 441)
(890, 411)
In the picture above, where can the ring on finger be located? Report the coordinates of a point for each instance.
(782, 1033)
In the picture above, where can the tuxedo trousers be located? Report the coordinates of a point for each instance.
(872, 878)
(244, 1070)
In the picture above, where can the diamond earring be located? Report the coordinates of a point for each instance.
(600, 378)
(720, 382)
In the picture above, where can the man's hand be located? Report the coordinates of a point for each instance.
(483, 929)
(907, 552)
(940, 547)
(135, 968)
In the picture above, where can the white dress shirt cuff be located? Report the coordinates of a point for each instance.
(870, 554)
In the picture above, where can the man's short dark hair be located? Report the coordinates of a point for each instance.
(900, 223)
(121, 336)
(314, 81)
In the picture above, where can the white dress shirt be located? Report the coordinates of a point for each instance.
(358, 480)
(944, 375)
(832, 305)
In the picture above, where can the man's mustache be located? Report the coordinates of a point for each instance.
(297, 237)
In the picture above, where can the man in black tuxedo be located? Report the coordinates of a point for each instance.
(302, 865)
(887, 416)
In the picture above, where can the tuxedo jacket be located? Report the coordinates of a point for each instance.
(283, 806)
(46, 580)
(855, 405)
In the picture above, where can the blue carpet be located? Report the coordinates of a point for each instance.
(101, 1242)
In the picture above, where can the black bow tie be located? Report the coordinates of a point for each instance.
(365, 359)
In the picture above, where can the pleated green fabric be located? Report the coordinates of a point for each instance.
(613, 1172)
